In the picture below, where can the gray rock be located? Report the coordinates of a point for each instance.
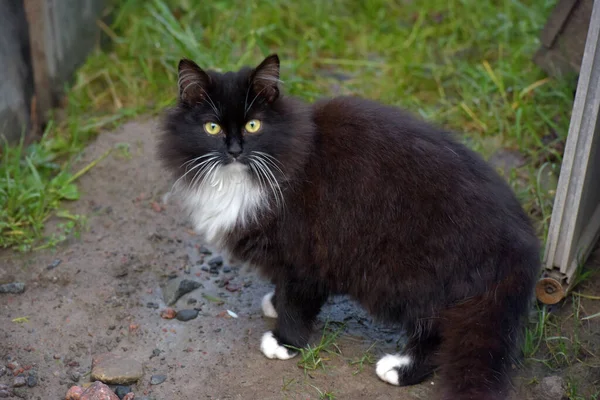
(121, 391)
(186, 315)
(3, 369)
(551, 388)
(115, 369)
(74, 376)
(53, 264)
(13, 287)
(157, 379)
(32, 379)
(175, 288)
(4, 394)
(21, 393)
(153, 305)
(19, 381)
(215, 262)
(204, 250)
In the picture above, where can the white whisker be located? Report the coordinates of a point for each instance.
(275, 186)
(199, 165)
(272, 160)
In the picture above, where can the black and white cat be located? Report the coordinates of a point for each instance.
(348, 196)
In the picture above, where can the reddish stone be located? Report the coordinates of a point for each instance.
(74, 393)
(98, 391)
(129, 396)
(168, 313)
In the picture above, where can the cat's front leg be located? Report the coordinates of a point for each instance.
(268, 305)
(296, 306)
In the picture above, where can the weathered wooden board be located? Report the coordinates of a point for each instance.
(563, 37)
(42, 42)
(16, 84)
(575, 223)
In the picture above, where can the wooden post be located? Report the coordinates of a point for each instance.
(575, 223)
(41, 102)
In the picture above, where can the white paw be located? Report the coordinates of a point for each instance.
(387, 367)
(272, 349)
(268, 307)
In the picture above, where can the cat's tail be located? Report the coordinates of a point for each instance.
(481, 336)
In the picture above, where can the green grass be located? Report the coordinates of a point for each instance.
(313, 357)
(464, 64)
(367, 358)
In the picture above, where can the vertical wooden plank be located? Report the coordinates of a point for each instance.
(16, 84)
(62, 33)
(42, 100)
(575, 223)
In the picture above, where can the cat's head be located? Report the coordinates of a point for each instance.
(235, 120)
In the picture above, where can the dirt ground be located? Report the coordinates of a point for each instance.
(105, 295)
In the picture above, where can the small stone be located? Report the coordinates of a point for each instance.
(186, 315)
(13, 287)
(3, 369)
(20, 392)
(174, 289)
(119, 271)
(32, 379)
(20, 380)
(74, 393)
(151, 304)
(215, 262)
(98, 391)
(129, 396)
(227, 269)
(205, 268)
(551, 388)
(232, 288)
(204, 250)
(53, 264)
(4, 391)
(168, 313)
(187, 269)
(190, 302)
(121, 391)
(115, 369)
(155, 353)
(74, 376)
(13, 365)
(157, 379)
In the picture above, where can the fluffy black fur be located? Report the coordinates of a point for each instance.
(379, 205)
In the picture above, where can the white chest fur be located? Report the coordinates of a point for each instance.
(228, 197)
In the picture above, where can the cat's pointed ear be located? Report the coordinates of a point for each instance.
(265, 78)
(193, 82)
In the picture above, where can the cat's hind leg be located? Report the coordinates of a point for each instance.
(480, 338)
(297, 304)
(413, 365)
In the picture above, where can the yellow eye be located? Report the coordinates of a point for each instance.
(212, 128)
(252, 126)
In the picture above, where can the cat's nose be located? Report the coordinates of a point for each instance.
(234, 150)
